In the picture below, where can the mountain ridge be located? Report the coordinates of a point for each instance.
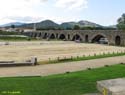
(45, 24)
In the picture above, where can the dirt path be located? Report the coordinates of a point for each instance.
(44, 70)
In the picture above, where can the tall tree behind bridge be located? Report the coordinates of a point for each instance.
(121, 22)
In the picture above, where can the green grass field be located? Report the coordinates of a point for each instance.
(13, 39)
(9, 33)
(76, 83)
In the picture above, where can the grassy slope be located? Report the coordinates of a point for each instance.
(82, 58)
(76, 83)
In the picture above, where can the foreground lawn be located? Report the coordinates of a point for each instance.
(76, 83)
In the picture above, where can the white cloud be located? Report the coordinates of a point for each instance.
(25, 18)
(36, 10)
(14, 7)
(71, 4)
(18, 8)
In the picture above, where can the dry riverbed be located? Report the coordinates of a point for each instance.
(44, 50)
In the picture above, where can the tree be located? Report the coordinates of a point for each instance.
(121, 22)
(87, 28)
(13, 26)
(76, 27)
(68, 28)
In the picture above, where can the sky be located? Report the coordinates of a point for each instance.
(103, 12)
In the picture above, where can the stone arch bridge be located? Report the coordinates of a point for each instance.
(114, 37)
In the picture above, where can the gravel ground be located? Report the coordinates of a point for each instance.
(43, 50)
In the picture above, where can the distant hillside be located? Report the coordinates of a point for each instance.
(80, 23)
(88, 24)
(112, 26)
(13, 23)
(67, 25)
(48, 24)
(42, 25)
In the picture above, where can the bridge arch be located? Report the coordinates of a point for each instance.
(31, 34)
(118, 40)
(57, 35)
(86, 38)
(52, 36)
(62, 37)
(77, 37)
(69, 37)
(35, 35)
(100, 38)
(45, 35)
(40, 34)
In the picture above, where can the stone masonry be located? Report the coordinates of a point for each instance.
(115, 37)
